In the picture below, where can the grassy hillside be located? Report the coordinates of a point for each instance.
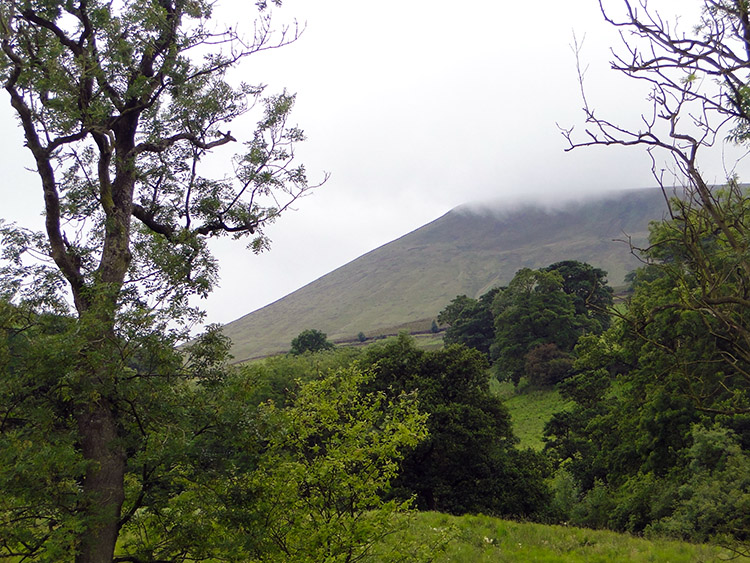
(467, 251)
(477, 539)
(530, 411)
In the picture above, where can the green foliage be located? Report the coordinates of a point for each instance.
(216, 469)
(713, 503)
(546, 365)
(120, 117)
(43, 465)
(552, 306)
(592, 297)
(651, 441)
(534, 310)
(279, 378)
(658, 397)
(329, 461)
(471, 322)
(311, 340)
(469, 462)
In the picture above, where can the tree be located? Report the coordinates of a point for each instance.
(669, 434)
(699, 95)
(471, 322)
(645, 391)
(533, 310)
(310, 340)
(587, 285)
(330, 461)
(469, 462)
(120, 104)
(169, 411)
(546, 365)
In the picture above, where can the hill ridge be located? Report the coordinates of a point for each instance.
(467, 250)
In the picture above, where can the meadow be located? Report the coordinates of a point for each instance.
(477, 539)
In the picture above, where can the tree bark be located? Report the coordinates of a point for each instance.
(103, 485)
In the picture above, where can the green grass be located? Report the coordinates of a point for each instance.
(530, 410)
(477, 539)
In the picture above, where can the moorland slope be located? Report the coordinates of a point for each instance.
(405, 283)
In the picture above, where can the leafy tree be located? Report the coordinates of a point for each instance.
(640, 391)
(587, 285)
(330, 459)
(668, 436)
(311, 340)
(533, 310)
(120, 115)
(221, 477)
(455, 309)
(713, 504)
(703, 248)
(43, 465)
(471, 322)
(469, 462)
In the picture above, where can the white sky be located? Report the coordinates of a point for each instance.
(414, 107)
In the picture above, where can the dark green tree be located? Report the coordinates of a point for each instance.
(546, 365)
(592, 297)
(670, 368)
(469, 462)
(470, 322)
(310, 340)
(119, 115)
(677, 417)
(533, 310)
(702, 250)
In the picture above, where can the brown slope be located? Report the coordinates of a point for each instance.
(466, 251)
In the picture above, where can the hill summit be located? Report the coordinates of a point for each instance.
(469, 250)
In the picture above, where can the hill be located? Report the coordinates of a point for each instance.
(469, 250)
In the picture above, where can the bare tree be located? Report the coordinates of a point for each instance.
(700, 97)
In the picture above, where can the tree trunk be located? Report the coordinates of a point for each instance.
(103, 484)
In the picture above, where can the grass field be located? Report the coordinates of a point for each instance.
(530, 411)
(477, 539)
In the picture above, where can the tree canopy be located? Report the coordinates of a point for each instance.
(469, 462)
(310, 340)
(120, 105)
(658, 438)
(471, 322)
(546, 307)
(540, 313)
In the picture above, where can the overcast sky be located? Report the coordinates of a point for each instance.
(414, 107)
